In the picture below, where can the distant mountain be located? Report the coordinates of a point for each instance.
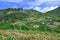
(56, 12)
(20, 13)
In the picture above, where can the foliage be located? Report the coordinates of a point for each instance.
(28, 17)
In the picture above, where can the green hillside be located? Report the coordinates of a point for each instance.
(30, 22)
(29, 18)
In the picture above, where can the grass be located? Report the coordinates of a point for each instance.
(27, 32)
(28, 35)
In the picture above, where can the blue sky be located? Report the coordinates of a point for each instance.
(39, 5)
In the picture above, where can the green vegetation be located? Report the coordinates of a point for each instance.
(29, 24)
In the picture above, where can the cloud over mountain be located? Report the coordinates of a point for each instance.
(46, 9)
(39, 5)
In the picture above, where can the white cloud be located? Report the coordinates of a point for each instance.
(39, 2)
(45, 9)
(52, 8)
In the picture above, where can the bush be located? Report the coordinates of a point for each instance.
(57, 30)
(26, 27)
(5, 26)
